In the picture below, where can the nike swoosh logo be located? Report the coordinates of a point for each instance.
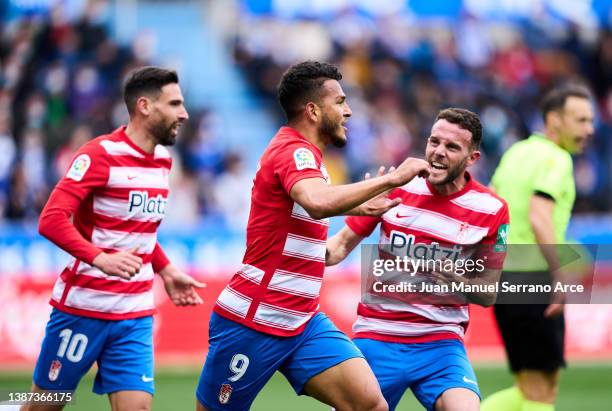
(131, 177)
(466, 379)
(398, 215)
(150, 379)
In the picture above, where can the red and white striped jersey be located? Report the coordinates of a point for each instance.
(473, 215)
(277, 289)
(119, 193)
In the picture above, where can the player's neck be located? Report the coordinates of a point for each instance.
(309, 133)
(551, 135)
(140, 137)
(452, 187)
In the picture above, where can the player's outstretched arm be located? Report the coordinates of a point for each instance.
(180, 286)
(340, 245)
(321, 200)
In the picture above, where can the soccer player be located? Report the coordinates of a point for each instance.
(410, 343)
(267, 318)
(116, 191)
(536, 177)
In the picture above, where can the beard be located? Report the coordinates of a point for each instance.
(333, 131)
(164, 133)
(453, 172)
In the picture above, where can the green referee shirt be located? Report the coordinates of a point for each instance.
(534, 165)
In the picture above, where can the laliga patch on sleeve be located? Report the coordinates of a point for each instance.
(304, 159)
(79, 167)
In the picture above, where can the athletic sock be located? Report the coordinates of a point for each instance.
(509, 399)
(537, 406)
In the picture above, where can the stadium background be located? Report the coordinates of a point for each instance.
(61, 68)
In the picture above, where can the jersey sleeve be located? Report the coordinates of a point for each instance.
(296, 162)
(362, 225)
(89, 169)
(160, 260)
(493, 247)
(552, 175)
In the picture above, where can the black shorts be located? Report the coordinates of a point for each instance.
(533, 342)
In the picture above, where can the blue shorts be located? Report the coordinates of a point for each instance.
(241, 360)
(428, 369)
(123, 350)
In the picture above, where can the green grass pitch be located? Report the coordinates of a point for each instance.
(583, 387)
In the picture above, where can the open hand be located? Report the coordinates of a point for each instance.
(181, 287)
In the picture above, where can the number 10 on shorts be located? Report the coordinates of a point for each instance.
(72, 346)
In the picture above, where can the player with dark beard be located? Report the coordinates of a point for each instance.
(267, 318)
(115, 192)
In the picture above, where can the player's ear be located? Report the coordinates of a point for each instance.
(473, 157)
(553, 119)
(143, 105)
(313, 112)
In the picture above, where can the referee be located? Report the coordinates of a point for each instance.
(535, 177)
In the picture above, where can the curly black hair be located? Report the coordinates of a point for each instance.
(302, 83)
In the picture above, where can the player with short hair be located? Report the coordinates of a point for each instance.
(536, 177)
(116, 191)
(267, 318)
(417, 343)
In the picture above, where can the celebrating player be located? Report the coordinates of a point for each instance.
(267, 318)
(540, 196)
(414, 344)
(116, 192)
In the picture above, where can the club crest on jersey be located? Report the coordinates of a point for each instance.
(139, 200)
(54, 370)
(79, 167)
(224, 393)
(463, 231)
(304, 159)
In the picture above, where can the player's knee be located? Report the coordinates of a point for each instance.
(380, 405)
(458, 399)
(372, 402)
(132, 405)
(140, 406)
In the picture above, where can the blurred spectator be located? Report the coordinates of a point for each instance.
(79, 136)
(400, 70)
(60, 85)
(7, 159)
(232, 192)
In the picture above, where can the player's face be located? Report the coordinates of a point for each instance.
(167, 114)
(334, 113)
(575, 124)
(449, 152)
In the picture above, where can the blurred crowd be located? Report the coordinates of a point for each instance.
(61, 74)
(399, 71)
(60, 86)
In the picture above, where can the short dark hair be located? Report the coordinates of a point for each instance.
(465, 119)
(146, 81)
(302, 82)
(555, 99)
